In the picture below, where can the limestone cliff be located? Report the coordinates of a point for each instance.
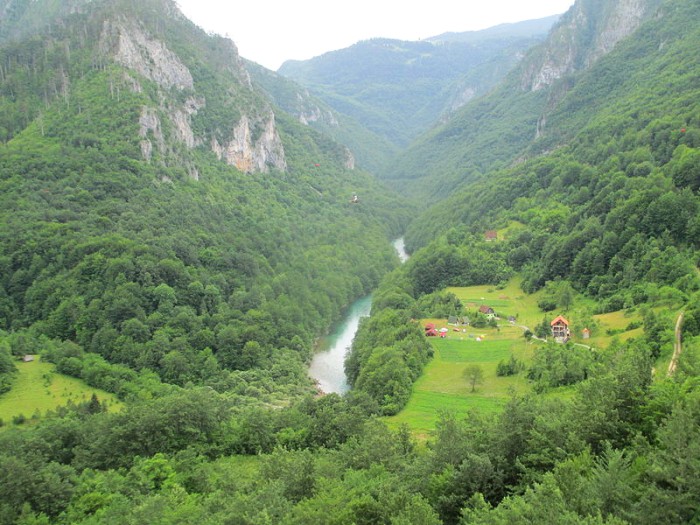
(253, 143)
(132, 47)
(249, 154)
(589, 30)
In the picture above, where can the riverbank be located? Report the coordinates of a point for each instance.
(327, 367)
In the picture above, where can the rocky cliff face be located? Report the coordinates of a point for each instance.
(249, 154)
(135, 49)
(255, 144)
(588, 31)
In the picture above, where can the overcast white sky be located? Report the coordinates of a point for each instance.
(272, 31)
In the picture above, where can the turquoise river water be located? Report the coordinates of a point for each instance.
(327, 365)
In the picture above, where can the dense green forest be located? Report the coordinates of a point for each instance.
(530, 112)
(146, 265)
(606, 205)
(615, 211)
(148, 268)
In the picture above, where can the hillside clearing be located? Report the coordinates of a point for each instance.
(39, 388)
(442, 387)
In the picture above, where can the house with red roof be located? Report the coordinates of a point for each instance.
(430, 330)
(560, 329)
(487, 311)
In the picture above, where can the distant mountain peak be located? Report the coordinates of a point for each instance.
(524, 29)
(398, 89)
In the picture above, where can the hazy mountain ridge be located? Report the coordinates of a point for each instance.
(398, 89)
(619, 147)
(369, 149)
(525, 29)
(498, 129)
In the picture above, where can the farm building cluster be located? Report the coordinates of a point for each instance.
(559, 326)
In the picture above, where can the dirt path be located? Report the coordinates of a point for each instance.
(677, 346)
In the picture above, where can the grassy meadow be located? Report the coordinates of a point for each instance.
(442, 386)
(506, 301)
(39, 388)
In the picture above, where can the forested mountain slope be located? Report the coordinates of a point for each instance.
(167, 234)
(20, 18)
(158, 211)
(605, 203)
(498, 129)
(398, 89)
(369, 149)
(614, 203)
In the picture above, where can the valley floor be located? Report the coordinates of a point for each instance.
(443, 388)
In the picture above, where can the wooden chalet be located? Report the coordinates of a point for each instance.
(560, 329)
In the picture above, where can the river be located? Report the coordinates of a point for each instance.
(327, 366)
(400, 249)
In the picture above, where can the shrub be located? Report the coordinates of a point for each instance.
(509, 368)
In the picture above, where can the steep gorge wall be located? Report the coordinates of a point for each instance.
(254, 145)
(589, 30)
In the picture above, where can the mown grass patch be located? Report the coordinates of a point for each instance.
(506, 301)
(442, 387)
(472, 351)
(39, 388)
(621, 325)
(619, 320)
(426, 408)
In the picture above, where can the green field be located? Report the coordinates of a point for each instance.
(39, 388)
(442, 387)
(508, 300)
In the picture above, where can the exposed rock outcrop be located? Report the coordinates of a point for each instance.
(309, 112)
(150, 127)
(250, 154)
(588, 31)
(132, 47)
(349, 160)
(182, 119)
(255, 145)
(463, 97)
